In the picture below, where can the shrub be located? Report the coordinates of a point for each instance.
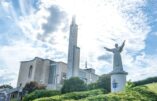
(92, 86)
(74, 95)
(40, 93)
(32, 86)
(84, 94)
(129, 85)
(132, 94)
(104, 82)
(73, 84)
(99, 97)
(144, 91)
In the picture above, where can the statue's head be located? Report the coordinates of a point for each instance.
(116, 45)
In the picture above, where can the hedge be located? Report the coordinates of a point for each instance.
(40, 93)
(73, 95)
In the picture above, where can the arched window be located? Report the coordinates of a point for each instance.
(30, 71)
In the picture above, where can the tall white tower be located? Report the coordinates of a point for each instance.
(73, 51)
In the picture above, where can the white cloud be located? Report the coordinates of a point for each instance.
(155, 33)
(143, 67)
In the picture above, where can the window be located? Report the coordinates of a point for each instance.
(52, 74)
(63, 77)
(30, 71)
(20, 85)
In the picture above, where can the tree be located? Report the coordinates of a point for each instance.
(6, 86)
(32, 86)
(73, 84)
(92, 86)
(145, 81)
(129, 85)
(104, 82)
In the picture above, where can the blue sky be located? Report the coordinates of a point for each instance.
(30, 28)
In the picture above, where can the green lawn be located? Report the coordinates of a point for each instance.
(13, 99)
(152, 87)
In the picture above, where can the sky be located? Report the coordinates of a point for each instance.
(40, 28)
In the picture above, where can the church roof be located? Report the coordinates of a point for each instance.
(37, 58)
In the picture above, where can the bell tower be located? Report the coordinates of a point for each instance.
(73, 51)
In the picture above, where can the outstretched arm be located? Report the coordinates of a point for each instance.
(108, 49)
(121, 47)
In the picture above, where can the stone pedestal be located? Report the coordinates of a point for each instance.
(118, 81)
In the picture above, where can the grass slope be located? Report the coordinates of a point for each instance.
(146, 92)
(139, 93)
(152, 87)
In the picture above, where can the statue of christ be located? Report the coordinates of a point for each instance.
(117, 61)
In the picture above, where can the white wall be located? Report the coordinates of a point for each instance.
(120, 79)
(24, 71)
(88, 77)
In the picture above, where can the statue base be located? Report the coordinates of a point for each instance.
(118, 80)
(118, 72)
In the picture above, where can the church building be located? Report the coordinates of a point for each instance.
(52, 73)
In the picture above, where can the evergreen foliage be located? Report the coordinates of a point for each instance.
(104, 82)
(92, 86)
(73, 84)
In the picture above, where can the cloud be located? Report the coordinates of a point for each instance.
(54, 20)
(106, 57)
(143, 67)
(44, 23)
(6, 77)
(5, 80)
(57, 20)
(155, 33)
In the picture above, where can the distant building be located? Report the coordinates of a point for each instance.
(50, 73)
(6, 94)
(88, 75)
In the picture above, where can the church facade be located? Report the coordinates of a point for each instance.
(50, 73)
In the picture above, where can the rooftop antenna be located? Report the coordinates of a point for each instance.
(86, 64)
(73, 7)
